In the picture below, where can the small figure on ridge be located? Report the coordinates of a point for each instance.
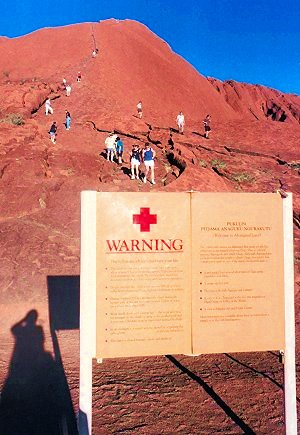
(139, 109)
(110, 143)
(207, 128)
(68, 90)
(48, 107)
(68, 120)
(52, 132)
(180, 122)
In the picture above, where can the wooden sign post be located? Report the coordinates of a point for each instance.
(211, 268)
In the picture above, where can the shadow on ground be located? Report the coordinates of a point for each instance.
(35, 398)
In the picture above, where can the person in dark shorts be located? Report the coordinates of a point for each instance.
(135, 161)
(52, 132)
(119, 150)
(139, 109)
(148, 155)
(207, 127)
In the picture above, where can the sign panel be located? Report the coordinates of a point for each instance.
(237, 263)
(143, 274)
(188, 273)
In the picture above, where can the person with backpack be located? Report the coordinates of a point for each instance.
(148, 155)
(119, 150)
(68, 120)
(135, 161)
(52, 132)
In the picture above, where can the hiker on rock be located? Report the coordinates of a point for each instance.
(110, 143)
(148, 155)
(139, 109)
(48, 107)
(52, 132)
(119, 150)
(68, 120)
(68, 90)
(207, 128)
(135, 161)
(79, 76)
(180, 122)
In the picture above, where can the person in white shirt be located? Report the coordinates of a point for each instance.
(180, 122)
(139, 109)
(68, 90)
(110, 143)
(48, 107)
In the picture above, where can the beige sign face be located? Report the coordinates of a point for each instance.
(143, 274)
(237, 263)
(189, 273)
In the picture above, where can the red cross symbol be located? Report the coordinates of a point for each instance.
(144, 219)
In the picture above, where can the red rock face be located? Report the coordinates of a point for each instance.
(259, 102)
(253, 147)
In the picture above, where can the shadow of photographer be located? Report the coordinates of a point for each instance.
(33, 398)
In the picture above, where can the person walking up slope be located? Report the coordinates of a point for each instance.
(180, 122)
(48, 107)
(207, 127)
(68, 120)
(68, 90)
(139, 109)
(119, 150)
(110, 143)
(135, 161)
(148, 155)
(52, 132)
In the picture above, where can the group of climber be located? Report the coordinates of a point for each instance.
(180, 120)
(115, 149)
(53, 128)
(49, 110)
(113, 143)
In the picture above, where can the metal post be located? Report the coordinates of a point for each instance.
(290, 403)
(87, 309)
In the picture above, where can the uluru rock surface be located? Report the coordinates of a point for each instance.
(253, 147)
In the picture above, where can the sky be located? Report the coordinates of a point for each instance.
(252, 41)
